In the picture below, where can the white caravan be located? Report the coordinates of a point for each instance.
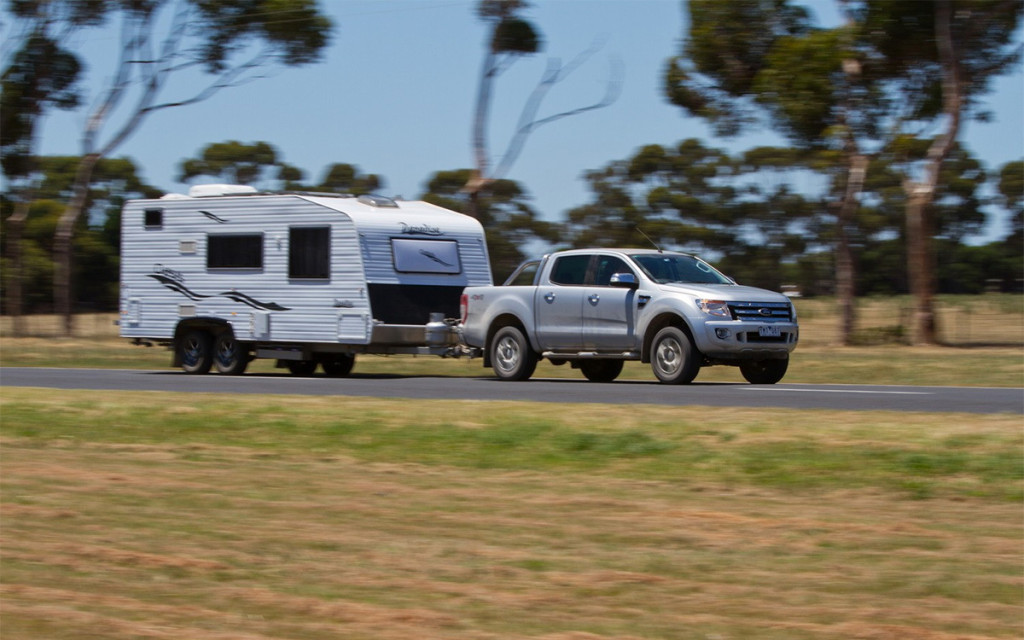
(227, 274)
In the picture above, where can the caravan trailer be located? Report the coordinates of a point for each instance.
(227, 274)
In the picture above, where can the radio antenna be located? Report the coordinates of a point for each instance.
(653, 243)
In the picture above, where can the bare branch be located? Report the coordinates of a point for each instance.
(555, 73)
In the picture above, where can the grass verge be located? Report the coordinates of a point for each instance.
(159, 515)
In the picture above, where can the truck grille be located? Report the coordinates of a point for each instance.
(761, 311)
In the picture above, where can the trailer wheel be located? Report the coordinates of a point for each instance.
(196, 352)
(229, 355)
(511, 356)
(302, 367)
(601, 370)
(673, 357)
(338, 366)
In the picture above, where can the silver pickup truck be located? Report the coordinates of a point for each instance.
(596, 308)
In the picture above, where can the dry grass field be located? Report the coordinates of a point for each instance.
(156, 516)
(163, 516)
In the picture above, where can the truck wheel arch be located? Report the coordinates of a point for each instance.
(656, 325)
(499, 323)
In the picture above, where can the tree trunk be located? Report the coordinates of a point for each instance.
(62, 247)
(920, 195)
(16, 277)
(846, 273)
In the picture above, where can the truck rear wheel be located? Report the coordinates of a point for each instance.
(673, 357)
(764, 371)
(601, 370)
(511, 356)
(196, 352)
(230, 356)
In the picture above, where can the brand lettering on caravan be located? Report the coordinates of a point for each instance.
(420, 230)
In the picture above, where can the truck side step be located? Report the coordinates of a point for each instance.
(592, 355)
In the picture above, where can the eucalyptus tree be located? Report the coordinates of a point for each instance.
(232, 161)
(940, 58)
(510, 36)
(39, 74)
(230, 42)
(503, 210)
(750, 58)
(700, 199)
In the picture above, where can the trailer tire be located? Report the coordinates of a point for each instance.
(673, 357)
(511, 356)
(195, 350)
(338, 366)
(601, 370)
(230, 357)
(303, 368)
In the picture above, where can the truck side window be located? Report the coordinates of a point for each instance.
(570, 270)
(607, 266)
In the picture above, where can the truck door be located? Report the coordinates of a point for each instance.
(609, 313)
(559, 304)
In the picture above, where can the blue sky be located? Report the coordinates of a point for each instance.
(395, 92)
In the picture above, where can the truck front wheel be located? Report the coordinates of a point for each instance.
(511, 356)
(764, 371)
(673, 357)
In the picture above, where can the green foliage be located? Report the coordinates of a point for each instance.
(234, 162)
(502, 208)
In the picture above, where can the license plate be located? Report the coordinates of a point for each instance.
(769, 332)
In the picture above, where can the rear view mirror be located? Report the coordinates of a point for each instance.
(624, 281)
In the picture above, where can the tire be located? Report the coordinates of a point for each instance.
(601, 370)
(764, 371)
(674, 359)
(303, 368)
(229, 355)
(195, 351)
(511, 356)
(338, 366)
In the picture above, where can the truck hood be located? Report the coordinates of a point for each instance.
(727, 292)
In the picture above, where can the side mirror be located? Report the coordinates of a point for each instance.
(624, 281)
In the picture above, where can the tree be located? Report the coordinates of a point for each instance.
(511, 37)
(940, 57)
(699, 199)
(503, 211)
(229, 41)
(234, 162)
(347, 178)
(97, 236)
(748, 54)
(39, 76)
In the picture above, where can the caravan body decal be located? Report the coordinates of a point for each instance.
(177, 285)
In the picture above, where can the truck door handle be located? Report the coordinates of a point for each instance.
(549, 297)
(594, 298)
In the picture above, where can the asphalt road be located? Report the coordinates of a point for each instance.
(793, 396)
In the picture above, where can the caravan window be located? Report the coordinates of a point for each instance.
(426, 256)
(309, 252)
(154, 219)
(235, 251)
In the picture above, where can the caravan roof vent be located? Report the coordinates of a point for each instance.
(211, 190)
(378, 201)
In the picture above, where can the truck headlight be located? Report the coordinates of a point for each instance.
(719, 308)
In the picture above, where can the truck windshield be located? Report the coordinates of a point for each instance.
(666, 268)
